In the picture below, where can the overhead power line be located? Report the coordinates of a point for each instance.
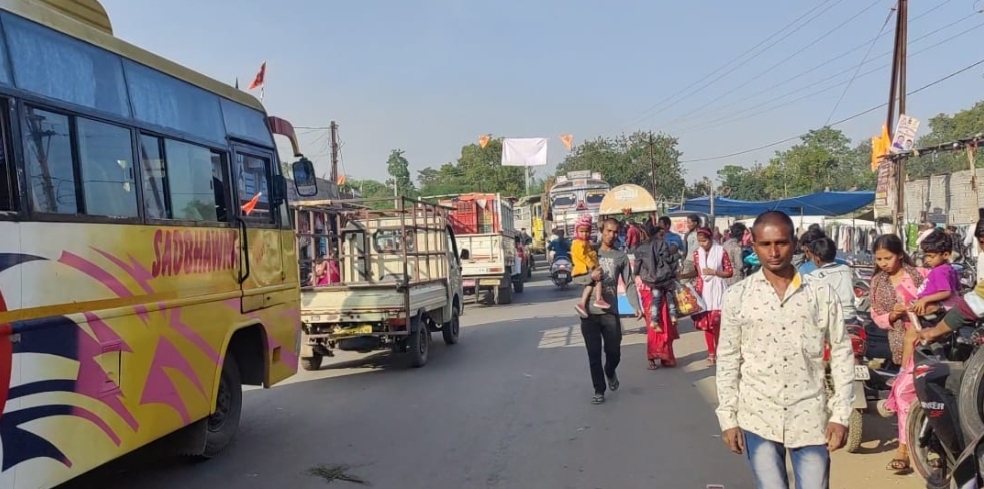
(752, 110)
(837, 123)
(771, 88)
(782, 61)
(686, 91)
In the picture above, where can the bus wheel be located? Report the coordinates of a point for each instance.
(223, 423)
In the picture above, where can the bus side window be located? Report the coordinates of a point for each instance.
(184, 181)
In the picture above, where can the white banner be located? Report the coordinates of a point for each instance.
(524, 152)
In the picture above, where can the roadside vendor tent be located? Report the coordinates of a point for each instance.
(629, 197)
(818, 204)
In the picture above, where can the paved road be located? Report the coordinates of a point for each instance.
(508, 407)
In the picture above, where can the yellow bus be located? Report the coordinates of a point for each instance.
(147, 262)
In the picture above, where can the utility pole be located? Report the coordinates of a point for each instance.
(333, 128)
(652, 163)
(897, 92)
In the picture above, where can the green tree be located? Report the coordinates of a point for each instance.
(944, 129)
(399, 171)
(741, 183)
(698, 188)
(476, 170)
(824, 159)
(626, 159)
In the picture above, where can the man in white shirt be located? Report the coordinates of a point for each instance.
(770, 370)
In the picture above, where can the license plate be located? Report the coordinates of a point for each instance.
(357, 330)
(490, 281)
(562, 275)
(861, 372)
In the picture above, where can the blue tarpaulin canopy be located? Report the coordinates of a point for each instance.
(818, 204)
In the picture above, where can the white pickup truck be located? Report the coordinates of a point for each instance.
(486, 230)
(400, 281)
(489, 262)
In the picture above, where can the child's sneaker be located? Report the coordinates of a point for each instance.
(601, 304)
(581, 311)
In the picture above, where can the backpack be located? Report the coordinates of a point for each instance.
(658, 267)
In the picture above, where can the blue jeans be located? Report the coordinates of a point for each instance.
(811, 465)
(659, 295)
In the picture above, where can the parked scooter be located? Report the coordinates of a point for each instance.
(560, 271)
(936, 440)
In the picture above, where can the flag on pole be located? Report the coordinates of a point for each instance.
(249, 206)
(483, 141)
(258, 82)
(568, 140)
(237, 83)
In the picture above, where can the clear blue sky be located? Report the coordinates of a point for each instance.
(429, 76)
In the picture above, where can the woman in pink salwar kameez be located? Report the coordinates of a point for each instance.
(893, 287)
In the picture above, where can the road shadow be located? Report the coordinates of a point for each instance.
(497, 408)
(879, 435)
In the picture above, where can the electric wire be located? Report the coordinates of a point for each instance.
(676, 97)
(837, 123)
(782, 61)
(806, 72)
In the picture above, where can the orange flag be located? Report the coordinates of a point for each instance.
(341, 180)
(249, 206)
(260, 77)
(483, 141)
(568, 140)
(879, 147)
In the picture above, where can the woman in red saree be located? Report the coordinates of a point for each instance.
(659, 343)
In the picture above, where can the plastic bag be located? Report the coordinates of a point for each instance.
(689, 302)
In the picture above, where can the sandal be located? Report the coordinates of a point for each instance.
(598, 399)
(898, 465)
(652, 365)
(711, 359)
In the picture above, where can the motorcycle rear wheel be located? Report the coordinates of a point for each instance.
(919, 455)
(970, 401)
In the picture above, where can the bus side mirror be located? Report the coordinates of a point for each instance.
(305, 181)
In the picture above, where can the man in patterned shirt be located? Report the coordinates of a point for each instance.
(770, 370)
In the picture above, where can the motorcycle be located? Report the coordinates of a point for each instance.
(862, 375)
(560, 271)
(934, 425)
(878, 358)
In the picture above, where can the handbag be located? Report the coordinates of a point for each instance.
(689, 302)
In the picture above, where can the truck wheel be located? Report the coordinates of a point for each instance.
(503, 295)
(854, 430)
(518, 285)
(311, 363)
(223, 423)
(452, 328)
(418, 344)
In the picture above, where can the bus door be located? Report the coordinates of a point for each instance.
(263, 269)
